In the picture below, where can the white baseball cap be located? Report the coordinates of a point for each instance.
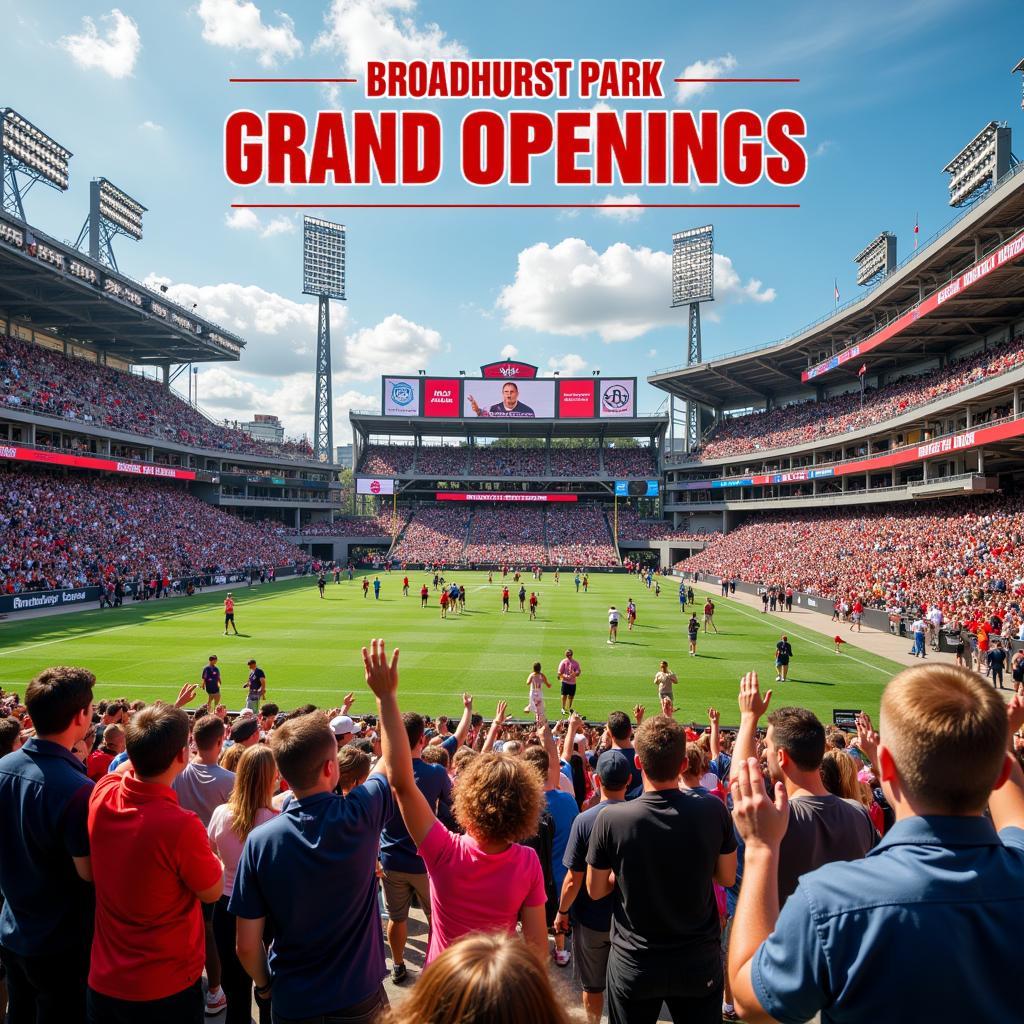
(343, 725)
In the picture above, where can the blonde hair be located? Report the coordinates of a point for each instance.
(482, 979)
(231, 756)
(253, 789)
(947, 733)
(844, 777)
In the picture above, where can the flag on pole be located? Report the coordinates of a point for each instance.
(917, 230)
(862, 370)
(835, 289)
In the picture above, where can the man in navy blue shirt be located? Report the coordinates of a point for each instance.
(46, 921)
(591, 919)
(405, 874)
(310, 873)
(926, 926)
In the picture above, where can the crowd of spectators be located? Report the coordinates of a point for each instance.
(80, 529)
(442, 460)
(387, 459)
(434, 534)
(630, 462)
(381, 524)
(495, 459)
(507, 460)
(633, 527)
(575, 463)
(79, 391)
(495, 535)
(964, 556)
(803, 422)
(775, 873)
(578, 534)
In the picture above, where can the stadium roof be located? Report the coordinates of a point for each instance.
(601, 430)
(995, 299)
(59, 290)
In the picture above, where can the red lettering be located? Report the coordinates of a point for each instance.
(781, 131)
(742, 157)
(286, 160)
(329, 157)
(376, 142)
(530, 134)
(623, 149)
(569, 146)
(483, 147)
(657, 150)
(696, 147)
(421, 147)
(376, 80)
(243, 160)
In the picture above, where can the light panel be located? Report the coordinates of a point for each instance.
(980, 164)
(323, 258)
(120, 209)
(693, 265)
(34, 150)
(876, 259)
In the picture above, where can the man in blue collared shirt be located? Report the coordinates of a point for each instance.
(925, 927)
(46, 921)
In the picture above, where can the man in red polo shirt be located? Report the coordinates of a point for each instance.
(152, 865)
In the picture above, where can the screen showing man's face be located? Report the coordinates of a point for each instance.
(510, 396)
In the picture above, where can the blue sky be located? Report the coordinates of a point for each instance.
(139, 93)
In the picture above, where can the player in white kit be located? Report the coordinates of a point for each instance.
(536, 680)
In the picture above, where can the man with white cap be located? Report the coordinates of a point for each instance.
(345, 730)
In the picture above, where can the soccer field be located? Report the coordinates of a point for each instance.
(309, 648)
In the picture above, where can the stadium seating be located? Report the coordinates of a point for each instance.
(632, 527)
(40, 380)
(964, 554)
(578, 535)
(435, 533)
(381, 525)
(442, 460)
(503, 460)
(75, 530)
(575, 463)
(513, 537)
(804, 422)
(387, 460)
(629, 462)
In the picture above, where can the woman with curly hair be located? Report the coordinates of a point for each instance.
(481, 979)
(482, 881)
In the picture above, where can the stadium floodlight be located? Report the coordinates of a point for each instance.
(111, 213)
(877, 259)
(693, 282)
(323, 275)
(980, 164)
(30, 154)
(1020, 67)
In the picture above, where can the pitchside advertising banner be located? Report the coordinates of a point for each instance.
(47, 599)
(507, 391)
(10, 451)
(374, 485)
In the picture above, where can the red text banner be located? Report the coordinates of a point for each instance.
(8, 451)
(496, 496)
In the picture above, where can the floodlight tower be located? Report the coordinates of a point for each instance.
(323, 275)
(111, 213)
(693, 282)
(27, 156)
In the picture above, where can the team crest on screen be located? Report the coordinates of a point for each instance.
(615, 397)
(402, 393)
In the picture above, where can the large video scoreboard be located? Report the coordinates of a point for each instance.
(509, 396)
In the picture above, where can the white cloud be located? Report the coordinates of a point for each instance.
(612, 207)
(395, 345)
(714, 67)
(651, 353)
(238, 25)
(570, 364)
(241, 220)
(151, 126)
(509, 352)
(278, 226)
(823, 147)
(363, 30)
(619, 294)
(113, 53)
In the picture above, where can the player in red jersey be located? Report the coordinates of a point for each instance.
(229, 614)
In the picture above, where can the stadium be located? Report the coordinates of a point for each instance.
(509, 530)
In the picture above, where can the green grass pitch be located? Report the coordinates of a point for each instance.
(309, 648)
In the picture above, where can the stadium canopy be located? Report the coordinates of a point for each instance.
(754, 376)
(600, 430)
(53, 288)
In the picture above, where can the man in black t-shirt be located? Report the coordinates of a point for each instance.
(665, 848)
(783, 652)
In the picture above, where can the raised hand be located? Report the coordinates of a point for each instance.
(186, 695)
(222, 711)
(867, 738)
(575, 724)
(666, 707)
(381, 677)
(1015, 709)
(638, 712)
(751, 702)
(501, 713)
(467, 701)
(760, 821)
(713, 716)
(347, 701)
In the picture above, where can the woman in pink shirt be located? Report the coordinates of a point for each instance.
(483, 881)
